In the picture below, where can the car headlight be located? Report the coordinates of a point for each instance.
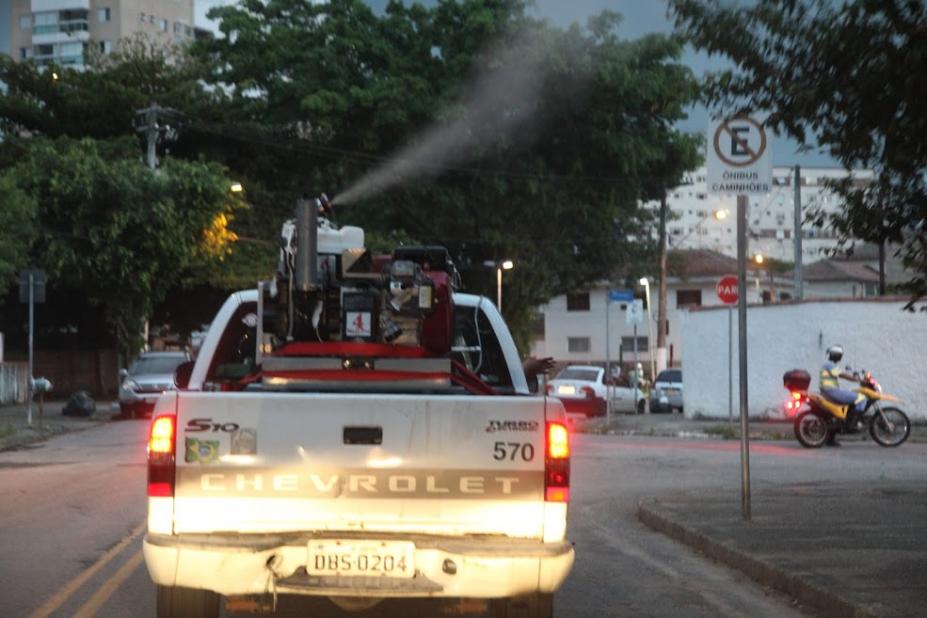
(130, 385)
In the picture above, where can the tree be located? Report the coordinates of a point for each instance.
(114, 231)
(17, 217)
(842, 74)
(552, 134)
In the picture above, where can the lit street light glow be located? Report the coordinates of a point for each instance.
(236, 187)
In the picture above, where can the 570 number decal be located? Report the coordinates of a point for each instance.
(511, 451)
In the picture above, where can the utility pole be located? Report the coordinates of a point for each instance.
(661, 293)
(150, 123)
(798, 292)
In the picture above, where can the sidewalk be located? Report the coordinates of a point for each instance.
(15, 431)
(841, 550)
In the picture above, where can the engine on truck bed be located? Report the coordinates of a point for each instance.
(330, 288)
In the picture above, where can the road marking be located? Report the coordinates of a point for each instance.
(101, 596)
(65, 592)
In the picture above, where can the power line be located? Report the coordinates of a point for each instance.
(300, 145)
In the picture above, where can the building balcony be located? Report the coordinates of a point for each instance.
(62, 32)
(41, 6)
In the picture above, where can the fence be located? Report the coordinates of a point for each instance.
(13, 386)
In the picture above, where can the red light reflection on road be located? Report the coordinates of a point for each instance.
(702, 445)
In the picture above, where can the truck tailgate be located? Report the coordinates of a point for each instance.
(258, 462)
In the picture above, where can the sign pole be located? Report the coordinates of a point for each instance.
(31, 328)
(637, 376)
(797, 292)
(730, 364)
(742, 349)
(608, 362)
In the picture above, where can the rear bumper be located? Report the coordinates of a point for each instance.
(258, 564)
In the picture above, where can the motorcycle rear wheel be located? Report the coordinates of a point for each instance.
(893, 432)
(810, 430)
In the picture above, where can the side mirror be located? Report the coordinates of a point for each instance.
(182, 374)
(123, 374)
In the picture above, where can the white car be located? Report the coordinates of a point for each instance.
(583, 390)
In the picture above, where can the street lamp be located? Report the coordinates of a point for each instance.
(236, 187)
(653, 367)
(499, 266)
(506, 265)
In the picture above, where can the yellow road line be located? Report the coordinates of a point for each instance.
(65, 592)
(101, 596)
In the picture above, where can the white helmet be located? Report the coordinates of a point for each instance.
(835, 353)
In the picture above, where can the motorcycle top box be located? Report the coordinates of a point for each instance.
(796, 380)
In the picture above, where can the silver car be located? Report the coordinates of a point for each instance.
(667, 391)
(151, 374)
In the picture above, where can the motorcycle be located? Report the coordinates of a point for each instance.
(888, 425)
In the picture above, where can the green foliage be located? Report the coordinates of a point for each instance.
(111, 227)
(99, 102)
(302, 97)
(556, 189)
(843, 73)
(17, 228)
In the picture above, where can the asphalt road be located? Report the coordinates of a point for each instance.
(71, 522)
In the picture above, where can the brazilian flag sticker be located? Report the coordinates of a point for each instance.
(202, 451)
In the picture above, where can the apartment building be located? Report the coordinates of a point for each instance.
(694, 222)
(63, 31)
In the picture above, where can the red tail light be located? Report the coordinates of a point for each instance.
(794, 404)
(557, 464)
(588, 391)
(162, 447)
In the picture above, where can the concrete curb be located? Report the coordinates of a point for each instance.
(797, 586)
(25, 436)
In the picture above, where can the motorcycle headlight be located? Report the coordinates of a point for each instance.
(130, 385)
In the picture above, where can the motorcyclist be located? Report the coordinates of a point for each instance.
(830, 387)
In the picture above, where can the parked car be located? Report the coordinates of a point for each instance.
(151, 374)
(667, 391)
(583, 390)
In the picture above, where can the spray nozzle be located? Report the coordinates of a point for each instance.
(325, 206)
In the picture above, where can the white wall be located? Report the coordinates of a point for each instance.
(560, 324)
(877, 336)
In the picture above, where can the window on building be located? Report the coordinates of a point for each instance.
(187, 30)
(45, 23)
(688, 298)
(103, 15)
(627, 344)
(23, 53)
(25, 22)
(178, 28)
(578, 345)
(162, 24)
(578, 301)
(106, 47)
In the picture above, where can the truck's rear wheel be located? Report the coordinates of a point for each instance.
(538, 605)
(177, 602)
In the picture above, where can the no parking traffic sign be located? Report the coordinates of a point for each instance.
(739, 157)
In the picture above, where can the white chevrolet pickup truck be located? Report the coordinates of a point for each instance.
(409, 485)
